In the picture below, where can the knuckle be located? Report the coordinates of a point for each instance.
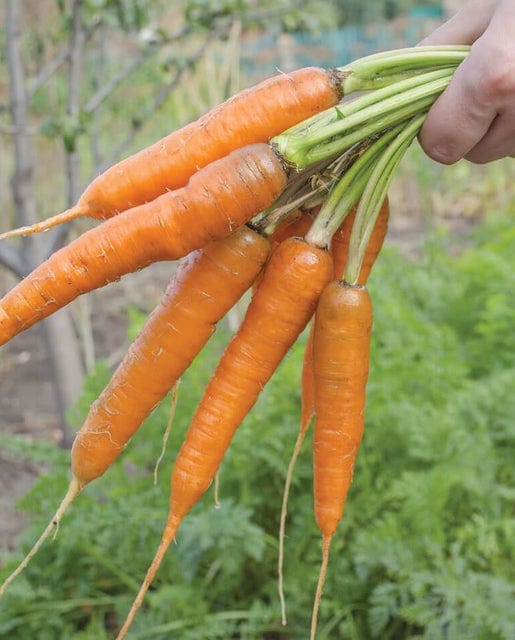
(497, 84)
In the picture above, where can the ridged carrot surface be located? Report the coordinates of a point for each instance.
(206, 285)
(217, 200)
(252, 116)
(295, 226)
(341, 347)
(278, 312)
(339, 250)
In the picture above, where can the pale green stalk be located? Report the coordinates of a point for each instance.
(346, 192)
(334, 138)
(373, 196)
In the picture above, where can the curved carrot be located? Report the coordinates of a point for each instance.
(278, 312)
(217, 200)
(339, 249)
(341, 346)
(251, 116)
(206, 285)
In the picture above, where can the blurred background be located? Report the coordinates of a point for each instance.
(426, 547)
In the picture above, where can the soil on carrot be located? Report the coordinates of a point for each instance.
(26, 403)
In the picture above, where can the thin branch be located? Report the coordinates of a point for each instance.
(104, 92)
(161, 96)
(48, 70)
(73, 100)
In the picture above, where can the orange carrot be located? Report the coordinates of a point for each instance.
(217, 200)
(341, 346)
(340, 243)
(278, 312)
(295, 226)
(206, 285)
(339, 249)
(251, 116)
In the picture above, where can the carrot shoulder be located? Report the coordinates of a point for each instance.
(217, 200)
(278, 312)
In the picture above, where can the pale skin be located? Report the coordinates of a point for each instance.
(475, 116)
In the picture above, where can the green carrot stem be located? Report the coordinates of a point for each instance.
(318, 123)
(373, 195)
(347, 192)
(369, 129)
(388, 63)
(334, 138)
(306, 189)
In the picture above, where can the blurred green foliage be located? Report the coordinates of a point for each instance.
(426, 547)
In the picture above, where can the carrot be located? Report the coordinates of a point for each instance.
(341, 347)
(340, 243)
(339, 249)
(217, 200)
(278, 312)
(251, 116)
(294, 226)
(206, 285)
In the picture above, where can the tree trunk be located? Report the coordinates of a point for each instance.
(66, 367)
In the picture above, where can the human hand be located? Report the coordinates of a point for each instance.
(474, 118)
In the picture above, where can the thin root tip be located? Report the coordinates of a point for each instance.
(166, 540)
(44, 225)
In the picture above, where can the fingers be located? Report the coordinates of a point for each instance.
(464, 27)
(475, 116)
(499, 141)
(459, 118)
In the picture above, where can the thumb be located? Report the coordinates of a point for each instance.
(464, 27)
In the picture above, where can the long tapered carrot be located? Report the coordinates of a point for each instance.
(339, 249)
(341, 347)
(278, 312)
(206, 285)
(217, 200)
(251, 116)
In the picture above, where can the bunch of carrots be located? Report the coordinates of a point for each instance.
(281, 190)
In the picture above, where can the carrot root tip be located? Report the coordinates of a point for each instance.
(45, 225)
(326, 544)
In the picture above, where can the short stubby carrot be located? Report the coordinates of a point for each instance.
(278, 312)
(207, 283)
(341, 347)
(217, 200)
(251, 116)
